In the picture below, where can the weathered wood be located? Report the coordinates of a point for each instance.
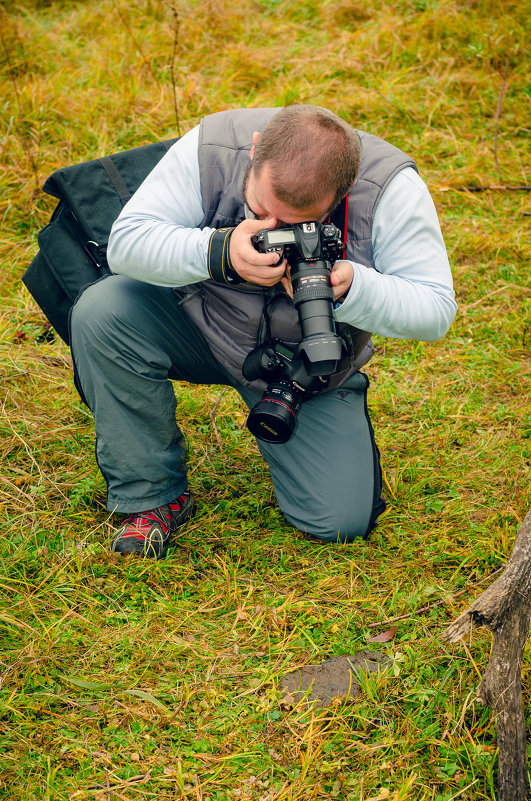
(505, 609)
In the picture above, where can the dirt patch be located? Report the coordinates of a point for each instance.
(334, 678)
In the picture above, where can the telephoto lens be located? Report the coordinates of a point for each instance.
(313, 296)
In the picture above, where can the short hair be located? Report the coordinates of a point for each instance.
(311, 152)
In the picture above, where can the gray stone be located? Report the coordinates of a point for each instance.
(334, 678)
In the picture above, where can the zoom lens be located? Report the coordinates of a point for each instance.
(313, 296)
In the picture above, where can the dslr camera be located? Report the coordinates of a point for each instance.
(293, 376)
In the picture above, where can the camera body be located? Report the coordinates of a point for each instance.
(310, 249)
(307, 241)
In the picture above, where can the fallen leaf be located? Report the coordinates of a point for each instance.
(382, 795)
(385, 636)
(87, 685)
(150, 698)
(288, 700)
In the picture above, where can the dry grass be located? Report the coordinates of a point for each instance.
(129, 681)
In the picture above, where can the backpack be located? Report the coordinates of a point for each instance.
(73, 246)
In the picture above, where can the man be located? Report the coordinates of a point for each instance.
(191, 297)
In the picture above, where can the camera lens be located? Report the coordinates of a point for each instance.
(273, 418)
(313, 296)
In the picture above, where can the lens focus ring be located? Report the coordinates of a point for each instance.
(314, 288)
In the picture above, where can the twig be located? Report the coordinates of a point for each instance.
(176, 24)
(460, 792)
(488, 188)
(501, 95)
(524, 289)
(198, 793)
(122, 784)
(435, 603)
(135, 41)
(107, 783)
(213, 412)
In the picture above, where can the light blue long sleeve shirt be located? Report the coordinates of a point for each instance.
(409, 295)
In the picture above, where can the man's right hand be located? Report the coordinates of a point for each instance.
(252, 266)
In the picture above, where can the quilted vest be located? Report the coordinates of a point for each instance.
(230, 317)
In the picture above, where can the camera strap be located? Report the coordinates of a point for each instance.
(264, 331)
(339, 218)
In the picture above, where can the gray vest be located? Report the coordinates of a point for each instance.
(230, 317)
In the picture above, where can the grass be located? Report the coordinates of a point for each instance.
(123, 680)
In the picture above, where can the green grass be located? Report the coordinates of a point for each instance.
(124, 680)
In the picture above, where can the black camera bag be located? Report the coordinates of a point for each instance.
(73, 246)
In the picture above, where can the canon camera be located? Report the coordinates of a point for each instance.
(310, 249)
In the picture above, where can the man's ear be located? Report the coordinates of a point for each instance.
(256, 136)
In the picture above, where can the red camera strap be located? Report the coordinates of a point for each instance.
(339, 218)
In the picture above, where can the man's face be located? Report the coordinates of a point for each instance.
(262, 202)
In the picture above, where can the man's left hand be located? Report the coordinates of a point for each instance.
(340, 278)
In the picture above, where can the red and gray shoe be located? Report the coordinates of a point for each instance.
(148, 534)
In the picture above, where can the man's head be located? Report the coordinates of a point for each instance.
(303, 163)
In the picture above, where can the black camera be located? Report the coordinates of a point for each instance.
(310, 249)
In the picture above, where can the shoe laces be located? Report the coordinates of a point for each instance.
(162, 514)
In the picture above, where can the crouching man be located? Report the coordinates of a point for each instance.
(190, 297)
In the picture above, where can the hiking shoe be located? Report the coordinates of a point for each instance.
(148, 533)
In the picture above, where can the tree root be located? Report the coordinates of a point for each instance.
(505, 609)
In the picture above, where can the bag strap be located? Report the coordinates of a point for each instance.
(115, 177)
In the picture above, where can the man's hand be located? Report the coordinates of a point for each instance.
(258, 268)
(340, 278)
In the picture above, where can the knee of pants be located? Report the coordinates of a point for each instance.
(98, 308)
(336, 526)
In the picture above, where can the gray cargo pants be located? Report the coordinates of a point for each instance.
(129, 338)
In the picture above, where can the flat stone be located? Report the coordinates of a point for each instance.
(334, 678)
